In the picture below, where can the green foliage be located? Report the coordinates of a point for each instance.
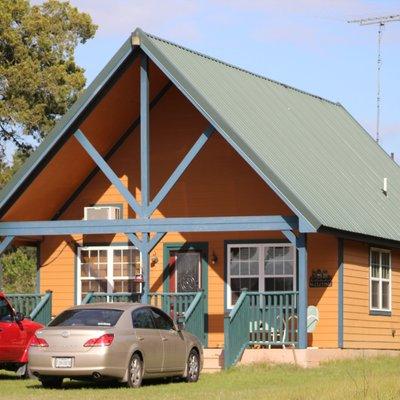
(39, 79)
(19, 270)
(8, 170)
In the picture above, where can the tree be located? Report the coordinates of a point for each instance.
(19, 270)
(39, 79)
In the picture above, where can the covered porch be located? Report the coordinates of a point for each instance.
(257, 317)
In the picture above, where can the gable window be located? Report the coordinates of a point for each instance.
(260, 268)
(380, 280)
(108, 269)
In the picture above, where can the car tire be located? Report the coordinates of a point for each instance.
(193, 367)
(51, 382)
(135, 371)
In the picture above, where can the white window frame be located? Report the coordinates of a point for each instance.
(261, 275)
(110, 275)
(380, 280)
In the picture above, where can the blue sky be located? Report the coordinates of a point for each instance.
(304, 43)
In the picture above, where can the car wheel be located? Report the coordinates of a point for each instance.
(51, 382)
(135, 371)
(193, 367)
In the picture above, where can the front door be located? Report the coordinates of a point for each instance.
(186, 270)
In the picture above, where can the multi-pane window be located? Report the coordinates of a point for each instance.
(380, 280)
(107, 269)
(260, 267)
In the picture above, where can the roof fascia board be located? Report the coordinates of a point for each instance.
(72, 116)
(307, 223)
(373, 240)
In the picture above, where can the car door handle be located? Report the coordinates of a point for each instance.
(164, 339)
(140, 338)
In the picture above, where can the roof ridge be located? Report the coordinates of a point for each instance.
(241, 69)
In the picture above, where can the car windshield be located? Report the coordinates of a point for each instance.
(87, 317)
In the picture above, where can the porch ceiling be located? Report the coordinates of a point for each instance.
(104, 123)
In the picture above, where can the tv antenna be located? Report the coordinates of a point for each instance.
(380, 21)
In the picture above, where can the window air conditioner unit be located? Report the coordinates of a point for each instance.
(102, 212)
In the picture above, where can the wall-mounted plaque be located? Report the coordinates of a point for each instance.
(320, 278)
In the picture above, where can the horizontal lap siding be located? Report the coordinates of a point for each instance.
(362, 330)
(322, 254)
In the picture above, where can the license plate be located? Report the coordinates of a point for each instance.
(63, 362)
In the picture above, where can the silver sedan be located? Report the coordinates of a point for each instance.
(127, 342)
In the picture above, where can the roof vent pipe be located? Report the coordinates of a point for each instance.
(385, 186)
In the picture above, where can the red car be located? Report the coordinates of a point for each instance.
(16, 334)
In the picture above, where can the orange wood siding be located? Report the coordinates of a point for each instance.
(362, 330)
(323, 254)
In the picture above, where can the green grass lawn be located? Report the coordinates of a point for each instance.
(358, 379)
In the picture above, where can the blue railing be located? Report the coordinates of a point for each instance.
(35, 306)
(260, 318)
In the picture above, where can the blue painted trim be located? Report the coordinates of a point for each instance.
(340, 292)
(5, 243)
(144, 131)
(145, 269)
(144, 168)
(155, 240)
(136, 241)
(290, 236)
(181, 168)
(108, 172)
(195, 224)
(381, 313)
(303, 290)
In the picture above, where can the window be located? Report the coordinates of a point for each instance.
(87, 317)
(5, 312)
(107, 269)
(162, 320)
(260, 267)
(380, 280)
(142, 319)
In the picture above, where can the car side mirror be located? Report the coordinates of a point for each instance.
(180, 326)
(19, 317)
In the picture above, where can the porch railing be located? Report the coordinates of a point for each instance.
(260, 318)
(187, 307)
(94, 297)
(35, 306)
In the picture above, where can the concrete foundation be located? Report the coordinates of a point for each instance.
(311, 357)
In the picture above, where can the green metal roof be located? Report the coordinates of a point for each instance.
(311, 150)
(321, 162)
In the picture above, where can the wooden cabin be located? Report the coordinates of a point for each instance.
(232, 201)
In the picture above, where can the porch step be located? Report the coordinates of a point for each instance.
(213, 360)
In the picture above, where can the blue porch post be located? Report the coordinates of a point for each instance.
(145, 167)
(301, 244)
